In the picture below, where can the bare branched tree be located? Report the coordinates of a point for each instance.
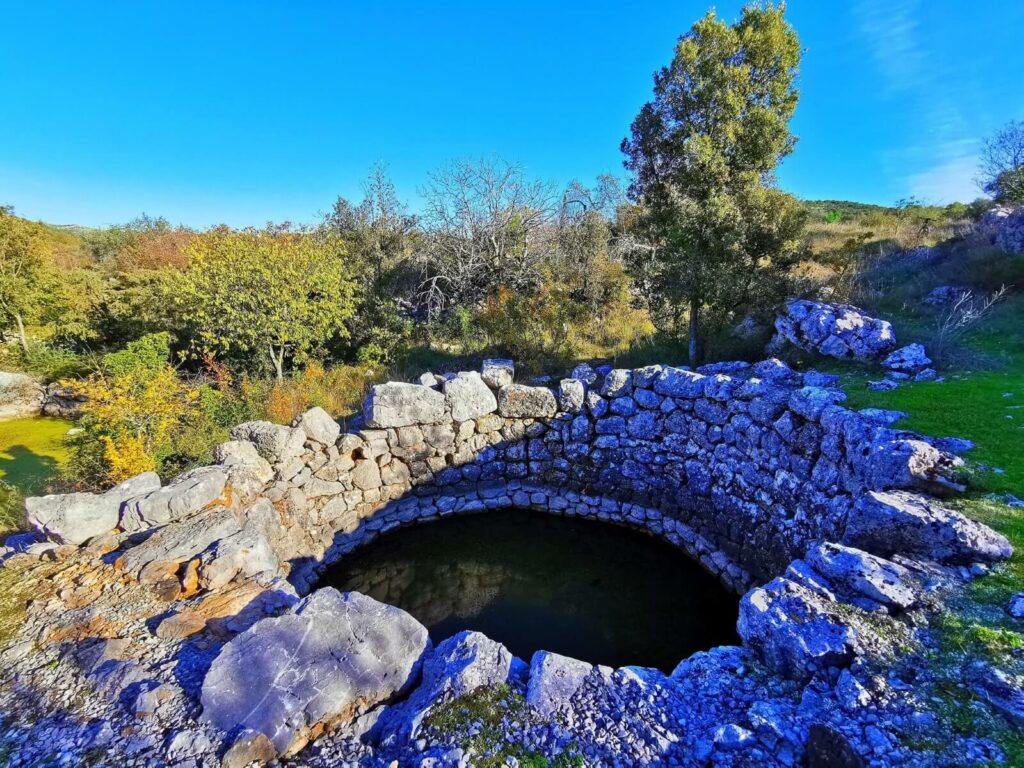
(1001, 171)
(963, 314)
(486, 226)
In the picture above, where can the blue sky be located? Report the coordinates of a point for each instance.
(244, 112)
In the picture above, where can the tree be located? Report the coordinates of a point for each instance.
(703, 152)
(1002, 164)
(379, 237)
(485, 223)
(274, 291)
(23, 272)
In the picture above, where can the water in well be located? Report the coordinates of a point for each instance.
(593, 591)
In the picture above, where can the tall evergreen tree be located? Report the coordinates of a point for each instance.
(703, 152)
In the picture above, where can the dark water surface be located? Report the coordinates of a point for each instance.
(590, 590)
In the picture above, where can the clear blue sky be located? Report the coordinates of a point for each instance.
(243, 112)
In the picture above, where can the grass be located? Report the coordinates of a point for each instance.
(481, 712)
(982, 399)
(31, 452)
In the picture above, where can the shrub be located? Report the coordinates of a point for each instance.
(339, 391)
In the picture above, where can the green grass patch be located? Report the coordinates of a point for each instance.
(474, 722)
(31, 451)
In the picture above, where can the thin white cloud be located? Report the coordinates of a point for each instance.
(940, 164)
(952, 180)
(890, 32)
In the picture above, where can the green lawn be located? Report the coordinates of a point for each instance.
(31, 452)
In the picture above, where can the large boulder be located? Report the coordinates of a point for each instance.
(518, 401)
(20, 396)
(1010, 231)
(183, 496)
(469, 397)
(855, 574)
(455, 668)
(834, 330)
(275, 442)
(73, 518)
(397, 404)
(330, 658)
(797, 631)
(897, 522)
(554, 680)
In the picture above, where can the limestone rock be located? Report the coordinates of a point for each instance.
(1003, 692)
(898, 522)
(182, 541)
(275, 442)
(21, 396)
(246, 553)
(332, 656)
(184, 495)
(909, 359)
(518, 401)
(241, 454)
(1016, 606)
(554, 679)
(835, 330)
(249, 747)
(469, 397)
(854, 572)
(572, 394)
(457, 667)
(397, 404)
(498, 372)
(795, 630)
(318, 425)
(73, 518)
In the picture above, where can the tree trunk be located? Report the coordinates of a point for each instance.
(278, 361)
(21, 333)
(694, 305)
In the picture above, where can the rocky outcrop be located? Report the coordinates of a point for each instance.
(890, 522)
(836, 330)
(330, 658)
(74, 518)
(21, 396)
(183, 496)
(1009, 231)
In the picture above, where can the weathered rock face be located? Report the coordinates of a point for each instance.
(455, 668)
(554, 680)
(20, 396)
(835, 330)
(399, 405)
(1010, 231)
(184, 495)
(73, 518)
(890, 522)
(796, 630)
(331, 657)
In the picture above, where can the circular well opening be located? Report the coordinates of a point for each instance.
(532, 581)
